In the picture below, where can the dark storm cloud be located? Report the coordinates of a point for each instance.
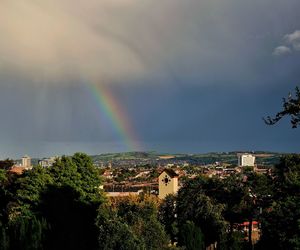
(201, 72)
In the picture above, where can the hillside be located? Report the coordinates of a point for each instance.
(142, 158)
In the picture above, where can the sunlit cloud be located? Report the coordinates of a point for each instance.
(281, 50)
(132, 41)
(53, 40)
(119, 40)
(293, 39)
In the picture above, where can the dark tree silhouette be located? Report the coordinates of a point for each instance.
(6, 164)
(291, 107)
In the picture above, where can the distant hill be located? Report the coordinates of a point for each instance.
(154, 158)
(262, 157)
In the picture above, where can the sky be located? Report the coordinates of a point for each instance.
(187, 76)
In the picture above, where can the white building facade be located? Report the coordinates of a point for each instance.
(26, 161)
(246, 160)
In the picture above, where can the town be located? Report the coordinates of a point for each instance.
(161, 175)
(236, 195)
(139, 171)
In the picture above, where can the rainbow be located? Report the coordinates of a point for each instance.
(108, 105)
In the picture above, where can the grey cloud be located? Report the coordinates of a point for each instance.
(117, 40)
(199, 51)
(293, 39)
(53, 40)
(136, 41)
(281, 50)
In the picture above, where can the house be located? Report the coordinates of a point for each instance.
(18, 170)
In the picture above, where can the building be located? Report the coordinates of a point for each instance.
(167, 183)
(246, 160)
(26, 161)
(47, 162)
(18, 170)
(256, 232)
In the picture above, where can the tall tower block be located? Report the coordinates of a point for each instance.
(26, 161)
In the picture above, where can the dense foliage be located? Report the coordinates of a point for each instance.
(63, 207)
(210, 210)
(53, 208)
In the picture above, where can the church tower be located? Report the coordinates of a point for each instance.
(167, 183)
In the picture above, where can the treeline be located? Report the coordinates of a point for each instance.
(63, 207)
(208, 211)
(52, 208)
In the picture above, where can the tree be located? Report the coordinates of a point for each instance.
(31, 184)
(194, 205)
(291, 107)
(26, 233)
(6, 164)
(71, 220)
(281, 226)
(167, 216)
(287, 176)
(191, 236)
(3, 194)
(232, 194)
(90, 177)
(135, 216)
(114, 234)
(281, 222)
(78, 172)
(141, 214)
(66, 196)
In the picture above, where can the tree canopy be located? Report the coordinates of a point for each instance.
(291, 107)
(62, 207)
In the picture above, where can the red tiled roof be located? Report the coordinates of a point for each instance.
(17, 170)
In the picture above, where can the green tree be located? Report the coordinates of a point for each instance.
(287, 176)
(194, 205)
(141, 213)
(26, 233)
(138, 216)
(90, 177)
(4, 240)
(71, 220)
(66, 196)
(281, 226)
(168, 217)
(4, 194)
(191, 236)
(31, 184)
(6, 164)
(291, 107)
(114, 233)
(281, 222)
(232, 194)
(78, 172)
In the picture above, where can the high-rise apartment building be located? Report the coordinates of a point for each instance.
(26, 161)
(246, 160)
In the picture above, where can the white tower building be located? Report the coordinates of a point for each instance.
(26, 161)
(246, 160)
